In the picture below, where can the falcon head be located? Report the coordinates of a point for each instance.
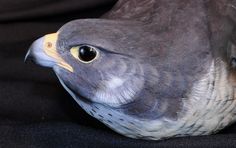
(124, 64)
(93, 62)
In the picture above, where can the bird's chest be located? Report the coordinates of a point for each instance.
(210, 106)
(114, 119)
(212, 103)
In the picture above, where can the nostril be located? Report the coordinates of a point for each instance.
(49, 44)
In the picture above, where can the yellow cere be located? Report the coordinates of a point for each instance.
(49, 47)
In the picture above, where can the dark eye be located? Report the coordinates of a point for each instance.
(84, 53)
(87, 53)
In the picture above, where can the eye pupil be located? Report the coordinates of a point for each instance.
(87, 53)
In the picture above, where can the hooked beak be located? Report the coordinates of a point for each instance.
(43, 52)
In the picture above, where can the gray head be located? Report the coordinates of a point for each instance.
(144, 77)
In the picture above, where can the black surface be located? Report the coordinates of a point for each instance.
(35, 111)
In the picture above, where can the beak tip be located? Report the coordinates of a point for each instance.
(27, 56)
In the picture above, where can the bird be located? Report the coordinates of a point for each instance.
(149, 69)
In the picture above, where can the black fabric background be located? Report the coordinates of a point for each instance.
(35, 111)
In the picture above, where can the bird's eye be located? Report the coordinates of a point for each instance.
(84, 53)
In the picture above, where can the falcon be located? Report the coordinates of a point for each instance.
(150, 69)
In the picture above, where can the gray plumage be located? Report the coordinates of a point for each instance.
(163, 68)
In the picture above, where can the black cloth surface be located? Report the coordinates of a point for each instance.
(35, 111)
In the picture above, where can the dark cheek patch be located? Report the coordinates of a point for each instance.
(149, 106)
(151, 109)
(165, 98)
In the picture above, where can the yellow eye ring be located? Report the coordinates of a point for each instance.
(84, 53)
